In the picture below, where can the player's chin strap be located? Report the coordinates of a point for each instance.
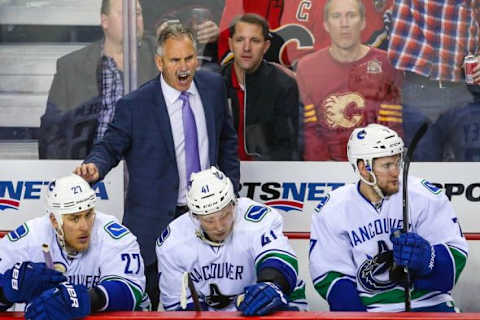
(61, 241)
(202, 236)
(373, 184)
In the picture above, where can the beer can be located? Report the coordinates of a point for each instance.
(469, 64)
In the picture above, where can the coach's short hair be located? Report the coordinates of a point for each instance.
(105, 7)
(177, 31)
(251, 18)
(326, 8)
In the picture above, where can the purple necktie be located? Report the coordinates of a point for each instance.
(192, 159)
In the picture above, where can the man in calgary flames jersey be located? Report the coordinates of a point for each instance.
(297, 26)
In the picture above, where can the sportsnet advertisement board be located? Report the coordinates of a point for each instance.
(23, 183)
(297, 188)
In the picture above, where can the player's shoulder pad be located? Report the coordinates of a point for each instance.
(112, 227)
(253, 216)
(33, 230)
(252, 211)
(19, 233)
(341, 196)
(425, 188)
(178, 231)
(321, 203)
(163, 236)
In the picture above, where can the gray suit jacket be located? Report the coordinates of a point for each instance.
(69, 124)
(76, 79)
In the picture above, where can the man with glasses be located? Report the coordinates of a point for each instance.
(353, 241)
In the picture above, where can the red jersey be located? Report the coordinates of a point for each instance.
(298, 26)
(340, 97)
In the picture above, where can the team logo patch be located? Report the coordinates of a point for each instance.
(116, 230)
(286, 205)
(163, 236)
(256, 213)
(431, 187)
(322, 203)
(18, 233)
(361, 135)
(370, 272)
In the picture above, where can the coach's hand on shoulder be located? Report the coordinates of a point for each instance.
(414, 252)
(262, 298)
(67, 301)
(87, 171)
(26, 280)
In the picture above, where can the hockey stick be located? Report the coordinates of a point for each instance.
(47, 256)
(194, 293)
(397, 272)
(187, 282)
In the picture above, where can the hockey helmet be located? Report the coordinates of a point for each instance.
(210, 191)
(371, 142)
(69, 194)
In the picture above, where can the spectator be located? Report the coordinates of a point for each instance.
(458, 131)
(162, 142)
(353, 242)
(429, 41)
(87, 85)
(202, 16)
(264, 99)
(346, 85)
(297, 26)
(211, 239)
(92, 263)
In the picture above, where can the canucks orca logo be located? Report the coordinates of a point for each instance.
(369, 273)
(431, 187)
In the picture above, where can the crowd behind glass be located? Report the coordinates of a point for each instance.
(426, 81)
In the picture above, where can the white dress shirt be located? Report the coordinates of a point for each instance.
(174, 108)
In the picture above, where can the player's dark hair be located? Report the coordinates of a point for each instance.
(251, 18)
(326, 9)
(177, 31)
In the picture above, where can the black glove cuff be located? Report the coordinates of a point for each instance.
(3, 299)
(97, 299)
(276, 277)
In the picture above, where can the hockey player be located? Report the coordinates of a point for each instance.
(228, 248)
(93, 263)
(351, 243)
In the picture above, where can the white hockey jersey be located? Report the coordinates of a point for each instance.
(113, 254)
(350, 238)
(221, 273)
